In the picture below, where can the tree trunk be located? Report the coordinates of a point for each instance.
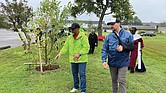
(100, 27)
(52, 45)
(100, 21)
(22, 40)
(100, 24)
(15, 28)
(27, 38)
(29, 44)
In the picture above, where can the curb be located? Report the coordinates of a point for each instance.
(5, 47)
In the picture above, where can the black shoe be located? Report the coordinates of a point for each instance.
(128, 68)
(131, 70)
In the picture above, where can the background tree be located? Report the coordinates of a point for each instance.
(137, 21)
(118, 8)
(162, 24)
(90, 24)
(3, 22)
(50, 18)
(134, 21)
(18, 13)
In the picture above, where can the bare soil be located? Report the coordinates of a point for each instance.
(49, 67)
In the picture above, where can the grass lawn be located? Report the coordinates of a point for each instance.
(15, 77)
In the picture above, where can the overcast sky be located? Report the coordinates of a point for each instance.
(146, 10)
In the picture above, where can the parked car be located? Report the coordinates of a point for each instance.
(149, 33)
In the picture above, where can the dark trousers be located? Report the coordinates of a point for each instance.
(92, 48)
(79, 68)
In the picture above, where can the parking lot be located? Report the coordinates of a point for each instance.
(9, 38)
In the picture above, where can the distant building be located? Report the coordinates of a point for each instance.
(139, 27)
(86, 23)
(150, 24)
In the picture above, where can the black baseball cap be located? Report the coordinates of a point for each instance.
(117, 20)
(74, 26)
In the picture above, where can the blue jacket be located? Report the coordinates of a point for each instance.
(115, 58)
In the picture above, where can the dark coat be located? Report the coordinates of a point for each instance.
(93, 39)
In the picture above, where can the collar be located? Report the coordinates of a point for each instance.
(119, 32)
(75, 36)
(80, 35)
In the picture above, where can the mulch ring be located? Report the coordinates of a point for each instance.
(49, 67)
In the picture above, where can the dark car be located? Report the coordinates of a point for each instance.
(149, 33)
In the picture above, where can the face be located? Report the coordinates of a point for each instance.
(75, 31)
(132, 31)
(115, 27)
(92, 31)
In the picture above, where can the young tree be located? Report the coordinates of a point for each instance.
(50, 18)
(18, 13)
(118, 8)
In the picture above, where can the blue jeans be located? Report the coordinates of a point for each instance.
(79, 68)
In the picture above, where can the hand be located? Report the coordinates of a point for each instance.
(104, 65)
(96, 44)
(57, 56)
(119, 48)
(76, 56)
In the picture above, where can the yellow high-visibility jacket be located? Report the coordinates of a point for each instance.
(78, 46)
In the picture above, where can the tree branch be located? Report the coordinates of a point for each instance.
(108, 13)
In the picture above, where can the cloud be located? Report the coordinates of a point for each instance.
(150, 10)
(146, 10)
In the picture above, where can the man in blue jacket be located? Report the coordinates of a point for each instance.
(118, 55)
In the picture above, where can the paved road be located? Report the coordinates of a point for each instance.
(8, 37)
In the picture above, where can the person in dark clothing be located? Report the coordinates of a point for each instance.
(92, 41)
